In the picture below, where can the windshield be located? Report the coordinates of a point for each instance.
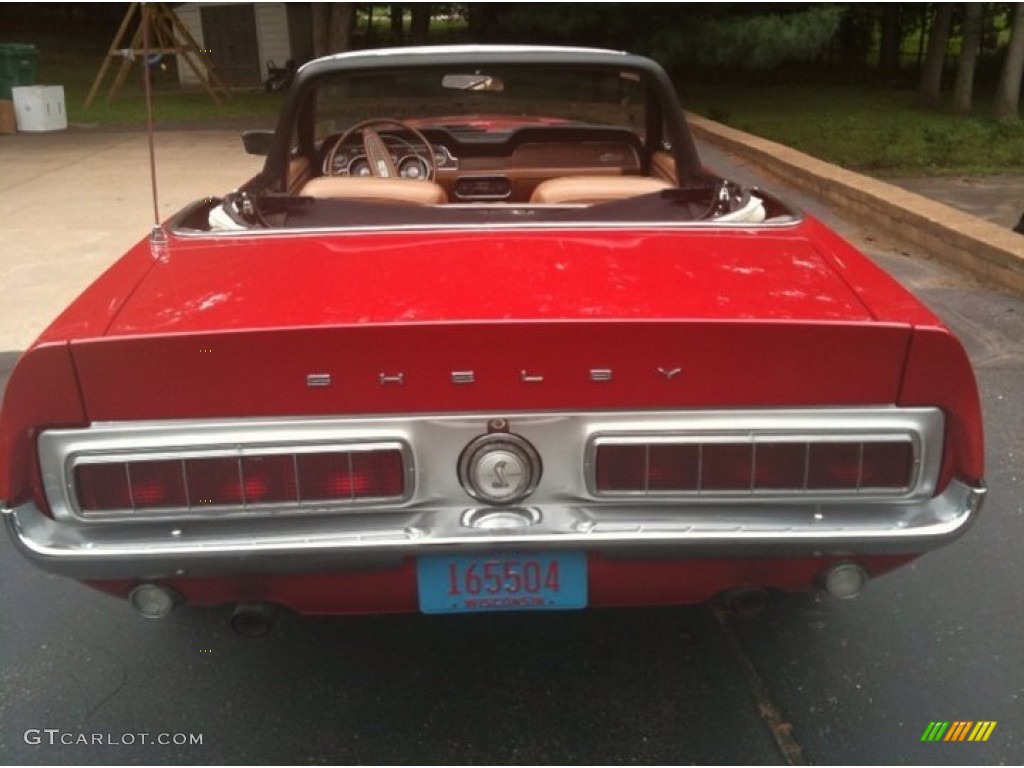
(469, 100)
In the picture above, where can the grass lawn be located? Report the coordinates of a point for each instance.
(171, 104)
(877, 130)
(872, 129)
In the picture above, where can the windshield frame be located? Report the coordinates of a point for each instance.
(537, 95)
(296, 118)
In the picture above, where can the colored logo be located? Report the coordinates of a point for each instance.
(959, 730)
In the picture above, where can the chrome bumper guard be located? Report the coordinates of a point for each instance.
(353, 541)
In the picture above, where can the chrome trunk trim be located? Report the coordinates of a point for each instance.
(574, 228)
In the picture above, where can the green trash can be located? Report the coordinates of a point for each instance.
(19, 65)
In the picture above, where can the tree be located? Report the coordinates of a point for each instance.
(930, 92)
(964, 88)
(1008, 91)
(332, 27)
(420, 25)
(480, 17)
(343, 21)
(397, 24)
(321, 22)
(891, 39)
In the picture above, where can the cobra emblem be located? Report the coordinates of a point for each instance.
(499, 472)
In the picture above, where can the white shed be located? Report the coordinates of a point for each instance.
(241, 39)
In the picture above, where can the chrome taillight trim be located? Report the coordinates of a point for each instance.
(67, 505)
(922, 427)
(914, 439)
(434, 442)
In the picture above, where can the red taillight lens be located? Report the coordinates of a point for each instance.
(214, 481)
(673, 467)
(833, 465)
(324, 476)
(157, 484)
(355, 475)
(780, 466)
(233, 481)
(377, 474)
(102, 487)
(727, 467)
(887, 465)
(269, 479)
(754, 466)
(621, 467)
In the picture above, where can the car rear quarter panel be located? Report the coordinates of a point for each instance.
(41, 393)
(90, 315)
(938, 371)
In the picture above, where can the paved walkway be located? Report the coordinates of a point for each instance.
(1000, 199)
(72, 202)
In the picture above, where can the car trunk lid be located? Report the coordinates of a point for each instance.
(400, 324)
(313, 280)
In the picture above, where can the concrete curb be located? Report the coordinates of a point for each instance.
(957, 238)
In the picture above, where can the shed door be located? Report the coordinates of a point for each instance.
(229, 32)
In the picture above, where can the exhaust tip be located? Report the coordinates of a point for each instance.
(845, 580)
(746, 603)
(153, 601)
(253, 619)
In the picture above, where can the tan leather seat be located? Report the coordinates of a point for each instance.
(376, 189)
(588, 190)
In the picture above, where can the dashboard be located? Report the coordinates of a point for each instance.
(492, 167)
(408, 157)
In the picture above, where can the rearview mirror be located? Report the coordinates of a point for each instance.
(472, 82)
(258, 142)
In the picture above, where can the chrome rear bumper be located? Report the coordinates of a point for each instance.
(155, 550)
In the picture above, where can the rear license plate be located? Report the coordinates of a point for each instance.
(502, 581)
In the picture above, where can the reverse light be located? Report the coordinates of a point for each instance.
(845, 580)
(152, 600)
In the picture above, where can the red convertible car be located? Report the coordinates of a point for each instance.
(485, 335)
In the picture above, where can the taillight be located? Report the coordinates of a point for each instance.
(325, 476)
(886, 465)
(634, 466)
(156, 484)
(269, 479)
(833, 465)
(780, 466)
(621, 467)
(227, 482)
(377, 473)
(214, 481)
(726, 467)
(102, 486)
(672, 467)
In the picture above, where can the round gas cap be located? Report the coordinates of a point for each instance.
(499, 468)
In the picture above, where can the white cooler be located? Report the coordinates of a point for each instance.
(40, 107)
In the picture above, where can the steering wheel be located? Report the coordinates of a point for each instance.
(378, 157)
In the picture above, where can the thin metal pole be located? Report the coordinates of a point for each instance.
(149, 111)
